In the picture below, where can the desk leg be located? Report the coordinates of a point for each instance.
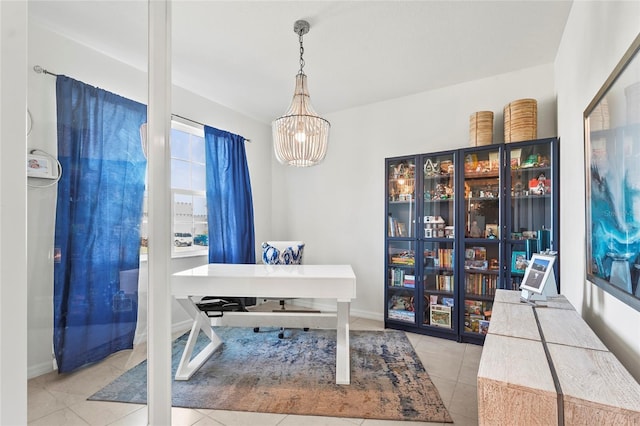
(201, 321)
(343, 362)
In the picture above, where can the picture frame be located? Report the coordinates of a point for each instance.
(612, 179)
(518, 262)
(540, 268)
(492, 231)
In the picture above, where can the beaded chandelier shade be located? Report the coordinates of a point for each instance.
(300, 136)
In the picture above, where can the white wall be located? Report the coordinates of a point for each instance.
(337, 207)
(13, 226)
(61, 55)
(596, 36)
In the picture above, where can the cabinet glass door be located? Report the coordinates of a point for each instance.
(482, 236)
(530, 218)
(438, 196)
(401, 203)
(401, 281)
(439, 283)
(438, 210)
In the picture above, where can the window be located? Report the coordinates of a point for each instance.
(190, 235)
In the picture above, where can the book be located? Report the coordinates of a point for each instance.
(473, 307)
(447, 301)
(441, 316)
(480, 253)
(478, 265)
(484, 326)
(475, 322)
(409, 281)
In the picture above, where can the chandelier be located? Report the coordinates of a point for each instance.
(300, 136)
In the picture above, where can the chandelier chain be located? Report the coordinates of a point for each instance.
(301, 52)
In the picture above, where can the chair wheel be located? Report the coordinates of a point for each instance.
(280, 335)
(306, 329)
(256, 329)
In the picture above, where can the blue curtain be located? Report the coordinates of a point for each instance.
(229, 200)
(98, 216)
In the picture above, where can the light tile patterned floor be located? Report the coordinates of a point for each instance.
(55, 401)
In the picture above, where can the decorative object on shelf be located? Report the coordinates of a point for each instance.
(300, 136)
(539, 186)
(446, 167)
(521, 120)
(612, 155)
(544, 240)
(481, 128)
(531, 247)
(431, 168)
(474, 230)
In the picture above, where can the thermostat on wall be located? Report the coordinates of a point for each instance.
(39, 166)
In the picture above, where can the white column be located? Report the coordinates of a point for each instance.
(159, 301)
(13, 213)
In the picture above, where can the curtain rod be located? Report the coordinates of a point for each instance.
(38, 69)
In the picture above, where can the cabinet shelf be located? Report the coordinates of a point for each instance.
(402, 202)
(530, 170)
(400, 287)
(480, 297)
(435, 269)
(438, 200)
(444, 176)
(482, 175)
(496, 199)
(545, 197)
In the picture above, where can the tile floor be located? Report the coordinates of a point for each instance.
(62, 401)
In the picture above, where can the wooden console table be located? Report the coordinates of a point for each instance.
(544, 365)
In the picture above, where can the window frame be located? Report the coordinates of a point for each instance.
(183, 125)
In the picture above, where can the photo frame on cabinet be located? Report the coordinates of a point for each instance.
(612, 176)
(539, 269)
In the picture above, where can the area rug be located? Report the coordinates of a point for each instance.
(258, 372)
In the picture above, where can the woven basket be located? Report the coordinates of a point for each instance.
(521, 120)
(481, 128)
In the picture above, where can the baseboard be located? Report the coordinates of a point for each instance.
(179, 327)
(39, 369)
(329, 306)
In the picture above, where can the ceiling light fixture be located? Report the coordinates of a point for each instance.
(300, 136)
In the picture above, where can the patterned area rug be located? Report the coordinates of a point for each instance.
(296, 375)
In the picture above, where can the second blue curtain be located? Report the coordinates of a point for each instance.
(229, 200)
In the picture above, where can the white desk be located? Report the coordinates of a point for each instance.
(266, 281)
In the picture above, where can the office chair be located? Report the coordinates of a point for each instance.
(282, 253)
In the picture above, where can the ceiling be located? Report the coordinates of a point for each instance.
(245, 54)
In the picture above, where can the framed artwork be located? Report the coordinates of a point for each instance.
(612, 177)
(492, 231)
